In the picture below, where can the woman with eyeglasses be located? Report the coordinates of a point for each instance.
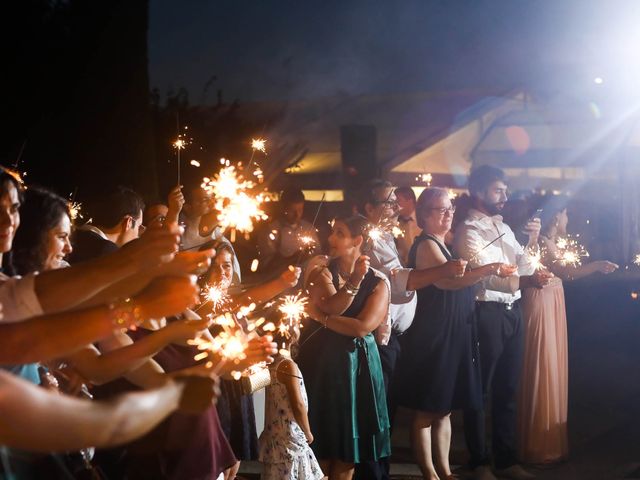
(439, 368)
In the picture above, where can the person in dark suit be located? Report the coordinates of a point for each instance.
(116, 220)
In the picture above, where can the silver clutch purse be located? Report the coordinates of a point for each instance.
(257, 379)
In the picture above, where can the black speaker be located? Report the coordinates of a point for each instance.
(358, 145)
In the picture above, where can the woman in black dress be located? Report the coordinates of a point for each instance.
(439, 368)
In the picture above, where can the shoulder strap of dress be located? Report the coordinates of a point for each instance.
(442, 248)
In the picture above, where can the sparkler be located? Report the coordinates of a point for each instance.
(75, 210)
(292, 307)
(216, 296)
(425, 178)
(569, 252)
(479, 252)
(636, 259)
(237, 207)
(534, 255)
(259, 144)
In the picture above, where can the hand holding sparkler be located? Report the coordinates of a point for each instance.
(175, 202)
(502, 270)
(290, 276)
(606, 267)
(540, 279)
(455, 268)
(180, 331)
(186, 262)
(155, 246)
(166, 296)
(360, 269)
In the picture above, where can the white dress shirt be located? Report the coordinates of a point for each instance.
(476, 232)
(384, 257)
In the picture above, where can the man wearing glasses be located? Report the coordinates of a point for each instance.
(377, 201)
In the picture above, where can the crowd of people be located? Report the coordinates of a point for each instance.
(99, 375)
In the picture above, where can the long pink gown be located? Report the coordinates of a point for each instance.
(542, 403)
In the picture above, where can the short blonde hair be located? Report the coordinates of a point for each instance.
(425, 202)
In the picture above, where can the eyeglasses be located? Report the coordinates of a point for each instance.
(443, 210)
(387, 203)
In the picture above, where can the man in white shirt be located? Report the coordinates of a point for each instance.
(379, 204)
(500, 325)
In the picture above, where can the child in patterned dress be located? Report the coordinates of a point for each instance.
(284, 444)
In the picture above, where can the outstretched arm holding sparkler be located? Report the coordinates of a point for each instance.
(37, 419)
(65, 288)
(565, 257)
(51, 336)
(266, 291)
(430, 255)
(175, 201)
(99, 369)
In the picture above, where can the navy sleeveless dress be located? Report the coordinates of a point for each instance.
(439, 369)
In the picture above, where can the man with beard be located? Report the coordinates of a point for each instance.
(499, 319)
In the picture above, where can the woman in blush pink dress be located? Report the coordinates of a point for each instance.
(542, 405)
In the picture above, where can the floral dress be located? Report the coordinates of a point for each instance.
(284, 451)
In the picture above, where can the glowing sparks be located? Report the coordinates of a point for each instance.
(569, 252)
(259, 144)
(194, 163)
(425, 178)
(217, 296)
(292, 307)
(375, 233)
(237, 207)
(534, 255)
(306, 243)
(75, 210)
(451, 194)
(254, 264)
(636, 259)
(397, 232)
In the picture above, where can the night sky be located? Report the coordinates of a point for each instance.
(280, 50)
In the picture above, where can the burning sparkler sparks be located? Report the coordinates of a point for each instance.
(425, 178)
(292, 307)
(75, 210)
(216, 296)
(636, 259)
(534, 255)
(569, 252)
(237, 207)
(259, 144)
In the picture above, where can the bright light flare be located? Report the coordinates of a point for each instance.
(292, 307)
(217, 296)
(237, 207)
(75, 210)
(259, 144)
(569, 252)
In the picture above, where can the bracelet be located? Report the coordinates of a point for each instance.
(350, 288)
(125, 314)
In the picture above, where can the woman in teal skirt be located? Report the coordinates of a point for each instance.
(339, 357)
